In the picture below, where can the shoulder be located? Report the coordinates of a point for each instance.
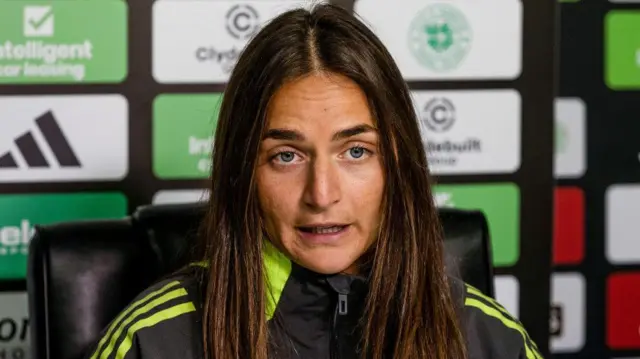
(490, 330)
(163, 321)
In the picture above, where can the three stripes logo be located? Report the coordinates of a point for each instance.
(33, 153)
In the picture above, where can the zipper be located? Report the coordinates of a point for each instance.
(342, 309)
(342, 304)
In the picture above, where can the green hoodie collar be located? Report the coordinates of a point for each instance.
(278, 269)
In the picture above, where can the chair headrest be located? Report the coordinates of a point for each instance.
(171, 230)
(79, 278)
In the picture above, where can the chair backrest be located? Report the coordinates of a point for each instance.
(82, 274)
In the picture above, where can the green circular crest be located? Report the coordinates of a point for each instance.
(440, 37)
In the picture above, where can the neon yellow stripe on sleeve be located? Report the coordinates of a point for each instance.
(496, 305)
(162, 315)
(181, 292)
(508, 323)
(118, 321)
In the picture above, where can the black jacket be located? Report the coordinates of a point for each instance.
(309, 317)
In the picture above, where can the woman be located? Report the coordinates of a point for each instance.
(321, 239)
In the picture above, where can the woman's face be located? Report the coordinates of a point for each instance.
(319, 176)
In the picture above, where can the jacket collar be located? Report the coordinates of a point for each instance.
(305, 289)
(291, 287)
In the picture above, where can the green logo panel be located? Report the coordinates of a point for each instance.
(20, 213)
(183, 130)
(501, 206)
(63, 41)
(622, 49)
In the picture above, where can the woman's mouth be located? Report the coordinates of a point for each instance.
(323, 232)
(323, 229)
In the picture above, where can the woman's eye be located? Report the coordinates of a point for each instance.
(286, 156)
(357, 152)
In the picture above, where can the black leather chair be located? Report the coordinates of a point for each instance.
(82, 274)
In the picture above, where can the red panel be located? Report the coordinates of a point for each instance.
(568, 231)
(623, 311)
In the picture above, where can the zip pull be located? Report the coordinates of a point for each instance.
(342, 304)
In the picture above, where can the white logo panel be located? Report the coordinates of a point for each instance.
(568, 310)
(63, 138)
(449, 39)
(200, 41)
(623, 224)
(507, 291)
(14, 325)
(180, 196)
(570, 138)
(470, 131)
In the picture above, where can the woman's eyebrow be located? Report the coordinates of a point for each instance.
(285, 134)
(352, 131)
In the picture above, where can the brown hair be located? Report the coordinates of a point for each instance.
(410, 312)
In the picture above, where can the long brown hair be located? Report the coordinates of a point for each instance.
(410, 313)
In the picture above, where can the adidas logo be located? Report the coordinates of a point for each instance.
(34, 154)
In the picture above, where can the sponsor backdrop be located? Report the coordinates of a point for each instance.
(108, 105)
(596, 281)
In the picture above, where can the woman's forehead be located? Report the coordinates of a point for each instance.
(333, 101)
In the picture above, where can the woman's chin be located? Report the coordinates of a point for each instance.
(326, 259)
(327, 265)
